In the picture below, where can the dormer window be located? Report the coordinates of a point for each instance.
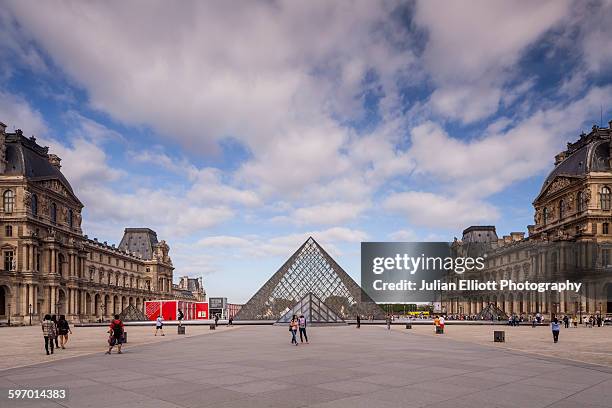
(561, 209)
(544, 215)
(70, 217)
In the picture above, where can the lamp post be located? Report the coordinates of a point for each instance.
(9, 314)
(30, 312)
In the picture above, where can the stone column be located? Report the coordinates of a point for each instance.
(52, 299)
(52, 260)
(70, 299)
(562, 297)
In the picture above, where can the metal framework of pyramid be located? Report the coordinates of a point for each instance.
(492, 312)
(132, 314)
(313, 309)
(310, 270)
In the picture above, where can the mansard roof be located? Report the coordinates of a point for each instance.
(27, 158)
(141, 241)
(589, 153)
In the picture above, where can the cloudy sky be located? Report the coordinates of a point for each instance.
(237, 129)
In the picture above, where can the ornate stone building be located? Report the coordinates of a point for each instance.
(49, 266)
(571, 238)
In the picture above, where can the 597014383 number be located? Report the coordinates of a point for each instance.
(37, 394)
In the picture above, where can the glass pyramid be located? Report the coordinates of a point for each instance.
(313, 309)
(310, 270)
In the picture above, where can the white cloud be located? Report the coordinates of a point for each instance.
(594, 24)
(255, 246)
(332, 213)
(16, 112)
(279, 81)
(486, 165)
(403, 235)
(472, 47)
(440, 211)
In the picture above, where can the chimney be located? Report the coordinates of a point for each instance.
(55, 161)
(517, 236)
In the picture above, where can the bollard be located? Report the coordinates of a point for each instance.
(181, 329)
(499, 336)
(409, 325)
(125, 337)
(212, 327)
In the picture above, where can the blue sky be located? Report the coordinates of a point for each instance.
(238, 129)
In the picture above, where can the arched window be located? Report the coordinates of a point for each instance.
(545, 215)
(34, 204)
(70, 218)
(9, 201)
(561, 209)
(54, 213)
(605, 198)
(580, 201)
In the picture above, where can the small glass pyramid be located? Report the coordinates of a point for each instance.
(313, 309)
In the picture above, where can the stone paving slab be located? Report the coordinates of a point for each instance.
(341, 367)
(590, 345)
(25, 344)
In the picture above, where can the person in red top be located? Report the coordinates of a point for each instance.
(116, 335)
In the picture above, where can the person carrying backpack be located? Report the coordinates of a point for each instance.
(116, 331)
(180, 317)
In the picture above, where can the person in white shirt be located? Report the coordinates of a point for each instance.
(159, 325)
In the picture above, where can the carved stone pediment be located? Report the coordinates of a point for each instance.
(558, 183)
(56, 186)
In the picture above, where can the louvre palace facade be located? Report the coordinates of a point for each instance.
(50, 266)
(571, 238)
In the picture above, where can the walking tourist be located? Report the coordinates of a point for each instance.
(436, 323)
(566, 321)
(180, 317)
(302, 325)
(159, 325)
(293, 327)
(555, 326)
(54, 320)
(117, 335)
(216, 319)
(358, 321)
(388, 322)
(63, 328)
(48, 329)
(441, 322)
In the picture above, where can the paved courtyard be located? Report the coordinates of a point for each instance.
(342, 367)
